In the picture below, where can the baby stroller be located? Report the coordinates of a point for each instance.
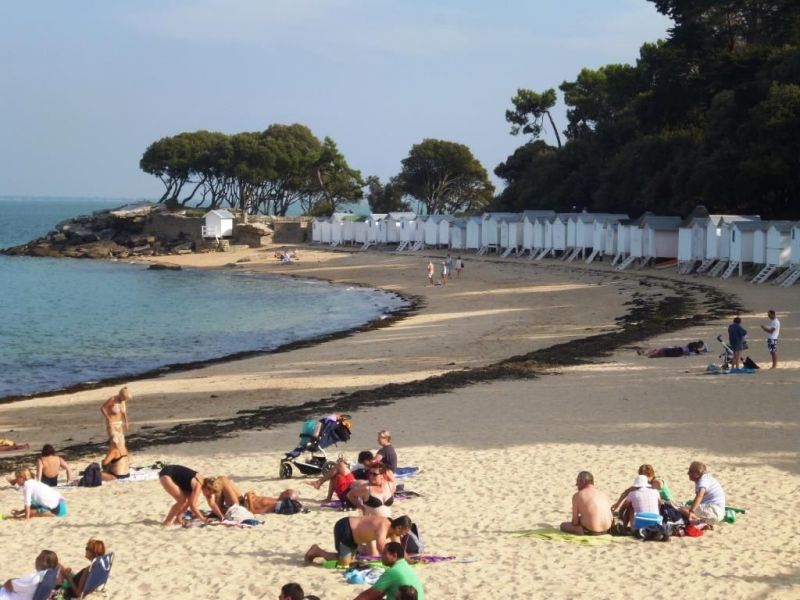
(309, 456)
(727, 354)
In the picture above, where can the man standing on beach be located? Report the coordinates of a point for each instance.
(431, 270)
(773, 330)
(591, 509)
(709, 500)
(736, 335)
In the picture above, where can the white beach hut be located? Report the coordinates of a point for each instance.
(692, 239)
(792, 273)
(419, 232)
(779, 248)
(325, 231)
(349, 231)
(393, 223)
(511, 234)
(602, 231)
(217, 224)
(458, 234)
(529, 224)
(558, 226)
(490, 230)
(445, 229)
(742, 249)
(660, 237)
(432, 230)
(360, 231)
(718, 242)
(376, 232)
(316, 230)
(547, 236)
(408, 232)
(336, 232)
(474, 226)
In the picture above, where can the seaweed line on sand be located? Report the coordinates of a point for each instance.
(645, 318)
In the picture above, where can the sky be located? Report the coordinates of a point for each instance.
(87, 85)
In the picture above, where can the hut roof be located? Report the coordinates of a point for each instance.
(221, 213)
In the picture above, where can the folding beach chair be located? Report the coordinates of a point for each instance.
(99, 571)
(46, 585)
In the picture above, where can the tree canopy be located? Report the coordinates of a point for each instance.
(709, 116)
(445, 178)
(266, 172)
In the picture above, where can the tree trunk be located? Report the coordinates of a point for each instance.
(553, 125)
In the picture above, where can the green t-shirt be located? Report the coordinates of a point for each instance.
(401, 573)
(664, 491)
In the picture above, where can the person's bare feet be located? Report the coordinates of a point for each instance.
(313, 552)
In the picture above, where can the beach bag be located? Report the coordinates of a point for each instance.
(288, 507)
(411, 541)
(654, 533)
(91, 476)
(671, 514)
(238, 514)
(749, 363)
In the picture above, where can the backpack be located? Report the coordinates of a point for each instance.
(654, 533)
(411, 541)
(288, 507)
(749, 363)
(91, 476)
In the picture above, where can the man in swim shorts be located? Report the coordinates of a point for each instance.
(591, 509)
(350, 532)
(773, 330)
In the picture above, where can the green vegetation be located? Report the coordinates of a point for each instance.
(709, 116)
(264, 172)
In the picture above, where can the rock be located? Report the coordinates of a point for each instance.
(136, 209)
(183, 251)
(164, 267)
(140, 249)
(186, 246)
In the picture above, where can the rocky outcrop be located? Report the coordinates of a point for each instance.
(132, 230)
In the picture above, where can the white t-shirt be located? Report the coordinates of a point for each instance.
(775, 325)
(40, 494)
(24, 587)
(714, 493)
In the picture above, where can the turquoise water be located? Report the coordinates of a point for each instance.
(67, 322)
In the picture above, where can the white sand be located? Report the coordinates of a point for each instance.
(498, 458)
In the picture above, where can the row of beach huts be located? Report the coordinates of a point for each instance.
(716, 245)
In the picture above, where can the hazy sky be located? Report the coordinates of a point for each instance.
(88, 84)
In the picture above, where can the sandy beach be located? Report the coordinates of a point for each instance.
(498, 452)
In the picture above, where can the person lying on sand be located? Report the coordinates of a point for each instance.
(259, 505)
(690, 349)
(41, 500)
(591, 509)
(350, 532)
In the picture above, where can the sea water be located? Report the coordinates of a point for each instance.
(69, 321)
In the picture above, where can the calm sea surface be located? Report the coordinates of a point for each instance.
(65, 322)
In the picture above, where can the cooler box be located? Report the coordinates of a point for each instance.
(642, 520)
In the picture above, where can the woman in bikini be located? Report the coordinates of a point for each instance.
(48, 466)
(185, 486)
(377, 497)
(115, 411)
(221, 493)
(117, 463)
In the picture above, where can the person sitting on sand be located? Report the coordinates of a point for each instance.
(399, 574)
(41, 500)
(117, 463)
(350, 532)
(259, 505)
(343, 477)
(48, 466)
(642, 499)
(221, 493)
(690, 349)
(708, 505)
(386, 454)
(115, 411)
(23, 588)
(591, 509)
(657, 483)
(77, 581)
(375, 498)
(184, 485)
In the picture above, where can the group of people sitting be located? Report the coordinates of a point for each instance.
(70, 583)
(594, 514)
(286, 256)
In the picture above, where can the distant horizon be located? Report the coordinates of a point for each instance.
(86, 97)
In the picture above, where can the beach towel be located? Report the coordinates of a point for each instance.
(375, 561)
(403, 472)
(553, 534)
(731, 372)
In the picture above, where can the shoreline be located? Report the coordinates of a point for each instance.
(386, 319)
(642, 321)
